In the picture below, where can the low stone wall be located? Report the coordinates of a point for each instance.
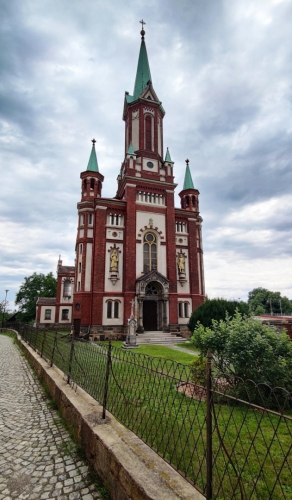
(128, 467)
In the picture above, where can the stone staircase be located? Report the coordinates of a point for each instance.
(159, 338)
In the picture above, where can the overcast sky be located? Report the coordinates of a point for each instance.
(222, 69)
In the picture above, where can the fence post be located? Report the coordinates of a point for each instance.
(43, 343)
(70, 361)
(107, 374)
(54, 347)
(209, 424)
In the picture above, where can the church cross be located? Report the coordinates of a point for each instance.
(142, 22)
(93, 141)
(187, 162)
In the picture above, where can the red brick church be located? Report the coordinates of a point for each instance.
(138, 245)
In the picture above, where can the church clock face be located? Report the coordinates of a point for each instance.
(150, 164)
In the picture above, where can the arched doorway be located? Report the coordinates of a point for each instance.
(152, 319)
(152, 297)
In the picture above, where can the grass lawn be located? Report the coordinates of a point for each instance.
(160, 351)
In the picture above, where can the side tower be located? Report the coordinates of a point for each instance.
(91, 189)
(189, 249)
(137, 246)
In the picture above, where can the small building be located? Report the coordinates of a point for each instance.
(58, 310)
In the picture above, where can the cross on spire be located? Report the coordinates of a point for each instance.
(93, 142)
(142, 30)
(187, 162)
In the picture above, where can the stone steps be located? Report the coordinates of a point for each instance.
(159, 338)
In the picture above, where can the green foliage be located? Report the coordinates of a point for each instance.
(36, 285)
(263, 301)
(198, 370)
(215, 309)
(244, 347)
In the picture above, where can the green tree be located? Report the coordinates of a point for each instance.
(4, 312)
(36, 285)
(215, 309)
(263, 301)
(243, 347)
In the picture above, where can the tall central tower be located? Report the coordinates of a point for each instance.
(137, 245)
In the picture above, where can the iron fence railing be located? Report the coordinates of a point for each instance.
(231, 441)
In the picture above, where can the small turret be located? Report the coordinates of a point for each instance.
(189, 196)
(91, 178)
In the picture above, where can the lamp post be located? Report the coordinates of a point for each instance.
(4, 307)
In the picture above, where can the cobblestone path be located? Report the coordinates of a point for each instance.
(38, 459)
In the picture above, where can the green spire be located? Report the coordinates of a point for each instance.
(143, 75)
(167, 156)
(92, 164)
(131, 149)
(188, 182)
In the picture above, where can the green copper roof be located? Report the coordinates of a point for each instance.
(131, 150)
(188, 182)
(143, 75)
(92, 164)
(167, 156)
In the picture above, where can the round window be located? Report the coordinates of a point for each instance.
(150, 164)
(149, 237)
(77, 307)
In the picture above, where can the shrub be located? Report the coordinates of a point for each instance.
(215, 309)
(244, 347)
(198, 370)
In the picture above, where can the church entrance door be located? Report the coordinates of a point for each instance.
(150, 315)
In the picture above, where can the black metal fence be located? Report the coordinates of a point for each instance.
(227, 446)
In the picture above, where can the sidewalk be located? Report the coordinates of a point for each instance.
(38, 459)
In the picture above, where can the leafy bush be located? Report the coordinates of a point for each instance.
(215, 309)
(198, 370)
(244, 347)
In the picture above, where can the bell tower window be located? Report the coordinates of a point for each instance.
(150, 252)
(148, 133)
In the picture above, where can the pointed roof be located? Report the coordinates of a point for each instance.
(188, 182)
(92, 164)
(131, 149)
(143, 75)
(167, 156)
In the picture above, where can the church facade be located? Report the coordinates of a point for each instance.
(137, 246)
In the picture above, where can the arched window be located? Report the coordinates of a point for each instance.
(150, 252)
(91, 183)
(112, 309)
(67, 288)
(183, 309)
(84, 184)
(148, 133)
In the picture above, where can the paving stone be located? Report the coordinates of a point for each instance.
(35, 463)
